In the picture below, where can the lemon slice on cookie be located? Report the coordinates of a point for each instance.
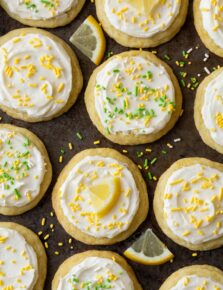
(144, 6)
(149, 250)
(104, 195)
(90, 40)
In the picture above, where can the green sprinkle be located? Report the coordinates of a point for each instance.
(167, 57)
(136, 91)
(17, 193)
(150, 175)
(154, 161)
(79, 136)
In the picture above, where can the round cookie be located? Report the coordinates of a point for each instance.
(188, 203)
(100, 197)
(208, 114)
(133, 98)
(23, 254)
(25, 170)
(111, 269)
(39, 74)
(195, 277)
(39, 14)
(208, 23)
(141, 23)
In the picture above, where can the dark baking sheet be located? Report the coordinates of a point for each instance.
(57, 133)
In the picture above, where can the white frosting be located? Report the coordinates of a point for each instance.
(134, 95)
(37, 10)
(193, 203)
(212, 17)
(21, 169)
(132, 19)
(212, 110)
(76, 199)
(35, 75)
(96, 271)
(18, 261)
(195, 282)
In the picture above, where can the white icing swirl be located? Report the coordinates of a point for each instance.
(76, 199)
(134, 95)
(35, 75)
(212, 110)
(193, 203)
(192, 282)
(37, 10)
(95, 271)
(212, 17)
(18, 261)
(142, 18)
(22, 169)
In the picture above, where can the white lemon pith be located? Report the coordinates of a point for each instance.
(90, 40)
(104, 195)
(149, 250)
(144, 6)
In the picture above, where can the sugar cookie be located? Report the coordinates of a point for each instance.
(39, 74)
(188, 203)
(133, 98)
(100, 197)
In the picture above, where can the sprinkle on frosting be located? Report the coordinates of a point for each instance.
(133, 95)
(96, 273)
(212, 110)
(21, 169)
(76, 198)
(18, 262)
(193, 203)
(35, 74)
(40, 9)
(197, 283)
(141, 18)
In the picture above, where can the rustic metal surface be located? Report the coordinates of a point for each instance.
(57, 133)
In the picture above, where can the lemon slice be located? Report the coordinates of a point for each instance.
(104, 195)
(144, 6)
(90, 40)
(149, 250)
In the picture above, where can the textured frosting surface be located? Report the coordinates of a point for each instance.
(212, 110)
(141, 18)
(134, 95)
(35, 75)
(193, 203)
(38, 9)
(212, 17)
(18, 261)
(22, 169)
(76, 199)
(96, 272)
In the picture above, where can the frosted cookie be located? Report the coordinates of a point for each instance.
(208, 110)
(188, 203)
(25, 170)
(93, 269)
(100, 197)
(39, 75)
(37, 13)
(203, 277)
(208, 19)
(133, 98)
(23, 260)
(142, 23)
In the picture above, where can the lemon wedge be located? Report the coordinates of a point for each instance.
(144, 6)
(149, 250)
(105, 195)
(90, 40)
